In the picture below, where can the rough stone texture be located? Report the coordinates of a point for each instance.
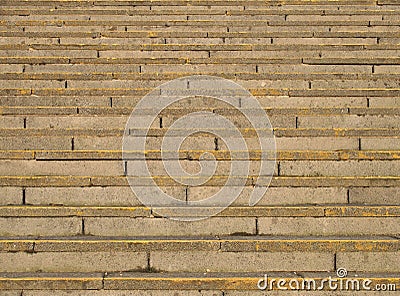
(33, 143)
(377, 195)
(371, 261)
(314, 69)
(11, 293)
(59, 168)
(225, 282)
(329, 226)
(101, 196)
(52, 281)
(91, 244)
(10, 196)
(280, 196)
(73, 262)
(349, 168)
(349, 121)
(40, 226)
(71, 72)
(239, 262)
(380, 144)
(11, 122)
(316, 143)
(78, 122)
(165, 227)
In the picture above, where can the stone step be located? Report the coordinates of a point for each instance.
(72, 110)
(227, 15)
(178, 37)
(111, 168)
(200, 31)
(251, 80)
(301, 64)
(230, 10)
(278, 132)
(326, 73)
(280, 181)
(197, 284)
(344, 210)
(328, 121)
(297, 222)
(120, 196)
(52, 44)
(257, 87)
(87, 111)
(55, 102)
(162, 255)
(278, 21)
(60, 3)
(110, 92)
(225, 244)
(303, 153)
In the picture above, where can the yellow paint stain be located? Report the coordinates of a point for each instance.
(50, 279)
(363, 247)
(322, 154)
(274, 92)
(368, 214)
(362, 155)
(339, 132)
(24, 91)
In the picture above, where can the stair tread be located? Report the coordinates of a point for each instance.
(102, 154)
(169, 281)
(223, 243)
(325, 72)
(347, 210)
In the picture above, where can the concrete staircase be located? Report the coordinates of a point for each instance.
(327, 73)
